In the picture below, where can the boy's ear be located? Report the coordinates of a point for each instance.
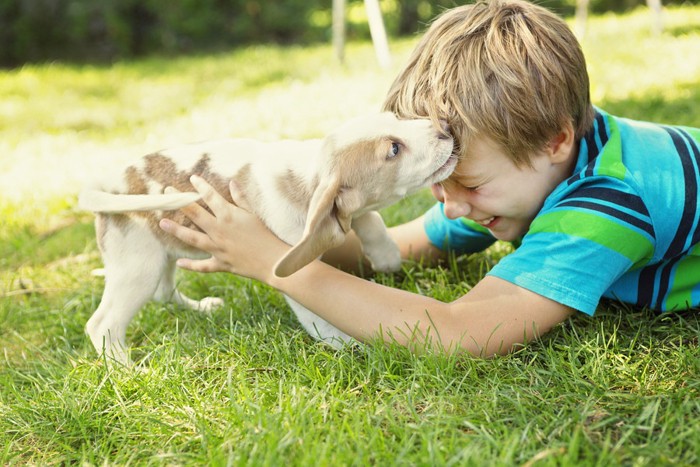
(561, 146)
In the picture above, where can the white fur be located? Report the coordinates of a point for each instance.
(334, 175)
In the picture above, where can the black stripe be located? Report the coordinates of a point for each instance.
(627, 200)
(609, 210)
(645, 288)
(603, 136)
(696, 154)
(691, 196)
(592, 152)
(573, 179)
(665, 281)
(675, 250)
(592, 144)
(602, 133)
(592, 147)
(663, 270)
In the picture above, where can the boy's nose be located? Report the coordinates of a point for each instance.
(454, 209)
(454, 206)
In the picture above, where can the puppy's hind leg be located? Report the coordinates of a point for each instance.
(317, 327)
(133, 262)
(167, 292)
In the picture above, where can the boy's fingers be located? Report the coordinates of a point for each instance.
(237, 196)
(197, 239)
(211, 197)
(197, 214)
(194, 211)
(198, 265)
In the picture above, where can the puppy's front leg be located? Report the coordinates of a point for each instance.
(377, 246)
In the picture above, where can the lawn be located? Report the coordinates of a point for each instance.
(245, 385)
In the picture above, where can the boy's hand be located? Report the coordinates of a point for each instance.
(237, 240)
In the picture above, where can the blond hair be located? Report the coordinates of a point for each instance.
(506, 69)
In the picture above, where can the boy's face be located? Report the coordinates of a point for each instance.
(487, 187)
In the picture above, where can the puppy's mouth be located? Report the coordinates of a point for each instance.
(444, 171)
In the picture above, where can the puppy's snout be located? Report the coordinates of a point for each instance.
(444, 130)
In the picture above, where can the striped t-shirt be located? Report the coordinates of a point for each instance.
(624, 226)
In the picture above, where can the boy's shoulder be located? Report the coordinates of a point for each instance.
(634, 180)
(634, 151)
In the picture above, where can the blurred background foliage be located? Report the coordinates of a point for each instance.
(106, 30)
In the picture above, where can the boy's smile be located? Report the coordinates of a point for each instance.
(488, 188)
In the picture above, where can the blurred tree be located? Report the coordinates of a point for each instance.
(40, 30)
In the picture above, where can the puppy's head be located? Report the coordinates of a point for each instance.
(367, 164)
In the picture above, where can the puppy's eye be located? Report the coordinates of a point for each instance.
(394, 151)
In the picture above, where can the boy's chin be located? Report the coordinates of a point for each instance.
(504, 237)
(508, 235)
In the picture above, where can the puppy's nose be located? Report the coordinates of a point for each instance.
(445, 130)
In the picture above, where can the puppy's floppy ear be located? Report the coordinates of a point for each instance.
(328, 221)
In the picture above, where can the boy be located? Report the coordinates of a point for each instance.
(604, 207)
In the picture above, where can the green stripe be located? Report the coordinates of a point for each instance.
(686, 276)
(610, 159)
(608, 233)
(687, 271)
(694, 132)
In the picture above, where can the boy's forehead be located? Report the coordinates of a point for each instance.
(467, 171)
(479, 158)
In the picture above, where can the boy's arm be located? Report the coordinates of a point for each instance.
(493, 318)
(414, 243)
(411, 239)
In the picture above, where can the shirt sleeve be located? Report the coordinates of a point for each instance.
(458, 235)
(573, 256)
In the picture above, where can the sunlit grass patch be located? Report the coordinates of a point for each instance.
(643, 75)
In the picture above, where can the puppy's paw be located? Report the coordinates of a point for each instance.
(387, 259)
(208, 304)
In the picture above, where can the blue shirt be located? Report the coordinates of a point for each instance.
(624, 226)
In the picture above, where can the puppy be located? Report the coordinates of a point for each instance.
(309, 193)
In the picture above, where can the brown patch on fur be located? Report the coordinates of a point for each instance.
(163, 170)
(251, 192)
(134, 181)
(294, 188)
(160, 170)
(358, 161)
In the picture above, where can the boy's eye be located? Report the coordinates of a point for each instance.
(472, 188)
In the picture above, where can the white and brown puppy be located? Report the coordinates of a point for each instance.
(309, 193)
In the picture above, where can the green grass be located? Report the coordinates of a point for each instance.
(246, 385)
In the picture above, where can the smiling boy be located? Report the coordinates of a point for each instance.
(601, 206)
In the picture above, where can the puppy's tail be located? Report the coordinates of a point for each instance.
(101, 201)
